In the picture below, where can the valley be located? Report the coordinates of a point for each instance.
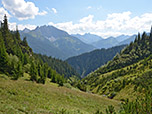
(75, 57)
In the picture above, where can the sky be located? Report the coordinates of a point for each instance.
(101, 17)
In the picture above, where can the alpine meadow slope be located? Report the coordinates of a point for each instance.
(27, 97)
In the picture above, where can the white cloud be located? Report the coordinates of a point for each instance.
(12, 26)
(28, 26)
(21, 9)
(115, 24)
(87, 19)
(89, 7)
(42, 13)
(2, 13)
(54, 10)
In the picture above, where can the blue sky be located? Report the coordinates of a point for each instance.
(102, 17)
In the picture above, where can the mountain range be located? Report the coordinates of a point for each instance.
(109, 42)
(53, 42)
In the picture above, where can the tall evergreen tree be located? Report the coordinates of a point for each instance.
(8, 40)
(144, 36)
(42, 77)
(3, 56)
(5, 24)
(138, 36)
(24, 42)
(20, 54)
(151, 34)
(17, 34)
(18, 72)
(150, 39)
(33, 72)
(26, 59)
(45, 70)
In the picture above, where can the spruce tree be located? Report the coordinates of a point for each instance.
(136, 39)
(151, 35)
(18, 71)
(45, 70)
(17, 34)
(138, 36)
(150, 39)
(8, 40)
(144, 36)
(151, 31)
(26, 59)
(42, 77)
(49, 73)
(54, 79)
(24, 42)
(18, 51)
(33, 72)
(43, 73)
(3, 56)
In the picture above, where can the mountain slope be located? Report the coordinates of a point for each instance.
(43, 46)
(59, 66)
(134, 52)
(128, 40)
(53, 42)
(129, 69)
(88, 62)
(122, 37)
(27, 97)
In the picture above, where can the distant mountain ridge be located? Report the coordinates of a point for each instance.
(88, 38)
(109, 42)
(54, 42)
(122, 37)
(128, 40)
(106, 43)
(51, 41)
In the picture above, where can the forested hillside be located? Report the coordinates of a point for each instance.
(128, 73)
(60, 66)
(17, 58)
(88, 62)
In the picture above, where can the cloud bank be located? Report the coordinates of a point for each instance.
(115, 24)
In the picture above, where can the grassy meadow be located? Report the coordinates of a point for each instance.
(26, 97)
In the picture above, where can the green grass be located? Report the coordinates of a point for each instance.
(25, 97)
